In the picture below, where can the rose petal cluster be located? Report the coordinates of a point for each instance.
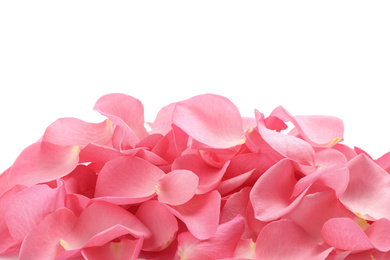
(202, 182)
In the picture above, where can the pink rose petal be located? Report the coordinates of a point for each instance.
(161, 222)
(129, 178)
(368, 191)
(222, 245)
(177, 187)
(200, 214)
(345, 234)
(284, 239)
(125, 249)
(43, 162)
(73, 131)
(210, 119)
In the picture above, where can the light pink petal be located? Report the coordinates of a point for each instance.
(100, 217)
(318, 130)
(209, 177)
(317, 208)
(163, 122)
(271, 194)
(128, 177)
(200, 214)
(177, 187)
(126, 112)
(149, 141)
(348, 152)
(160, 221)
(222, 245)
(284, 239)
(166, 148)
(345, 234)
(28, 207)
(8, 244)
(5, 198)
(73, 131)
(210, 119)
(289, 146)
(329, 156)
(43, 242)
(368, 191)
(379, 234)
(125, 249)
(43, 162)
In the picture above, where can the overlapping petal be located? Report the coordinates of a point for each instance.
(284, 239)
(368, 191)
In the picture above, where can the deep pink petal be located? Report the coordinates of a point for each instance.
(163, 122)
(378, 233)
(43, 162)
(160, 221)
(125, 112)
(289, 146)
(128, 177)
(210, 119)
(222, 245)
(100, 217)
(73, 131)
(345, 234)
(368, 191)
(81, 180)
(284, 239)
(271, 194)
(44, 242)
(177, 187)
(245, 249)
(28, 207)
(200, 214)
(317, 208)
(125, 249)
(209, 177)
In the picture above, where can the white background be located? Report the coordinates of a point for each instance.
(312, 57)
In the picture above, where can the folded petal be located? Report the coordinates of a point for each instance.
(284, 239)
(82, 180)
(345, 234)
(210, 119)
(200, 214)
(368, 191)
(163, 122)
(43, 162)
(318, 130)
(209, 177)
(160, 221)
(73, 131)
(28, 207)
(271, 194)
(125, 112)
(177, 187)
(100, 217)
(44, 241)
(222, 245)
(128, 177)
(289, 146)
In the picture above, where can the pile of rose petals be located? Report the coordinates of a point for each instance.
(203, 183)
